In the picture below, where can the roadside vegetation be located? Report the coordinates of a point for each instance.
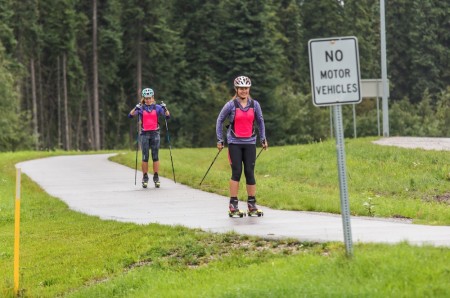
(67, 254)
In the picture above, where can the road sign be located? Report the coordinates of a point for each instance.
(334, 67)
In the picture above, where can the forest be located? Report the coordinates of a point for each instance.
(71, 70)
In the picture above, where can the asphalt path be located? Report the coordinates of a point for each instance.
(93, 185)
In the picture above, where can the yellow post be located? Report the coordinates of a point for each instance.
(17, 234)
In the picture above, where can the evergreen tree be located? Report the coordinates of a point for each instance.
(14, 135)
(418, 52)
(362, 21)
(295, 65)
(113, 105)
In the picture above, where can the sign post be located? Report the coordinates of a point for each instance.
(17, 234)
(335, 80)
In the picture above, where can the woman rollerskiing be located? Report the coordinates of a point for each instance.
(243, 112)
(148, 112)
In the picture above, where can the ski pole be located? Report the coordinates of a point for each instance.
(210, 167)
(137, 148)
(259, 153)
(170, 147)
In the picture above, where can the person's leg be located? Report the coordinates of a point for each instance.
(144, 167)
(251, 190)
(235, 159)
(154, 145)
(145, 156)
(156, 166)
(249, 158)
(234, 188)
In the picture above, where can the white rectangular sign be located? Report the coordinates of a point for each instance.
(334, 67)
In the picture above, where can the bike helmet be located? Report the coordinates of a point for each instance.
(242, 81)
(147, 92)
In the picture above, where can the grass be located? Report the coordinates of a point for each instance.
(396, 182)
(66, 254)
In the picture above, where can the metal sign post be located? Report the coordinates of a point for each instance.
(342, 171)
(17, 233)
(384, 102)
(335, 80)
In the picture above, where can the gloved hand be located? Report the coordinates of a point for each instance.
(163, 105)
(220, 145)
(264, 144)
(138, 106)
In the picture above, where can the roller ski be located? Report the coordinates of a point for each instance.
(252, 209)
(145, 180)
(156, 180)
(234, 210)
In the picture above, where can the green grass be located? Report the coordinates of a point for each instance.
(64, 253)
(396, 182)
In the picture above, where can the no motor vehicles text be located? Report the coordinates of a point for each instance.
(335, 73)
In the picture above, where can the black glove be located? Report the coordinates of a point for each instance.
(264, 144)
(163, 105)
(138, 106)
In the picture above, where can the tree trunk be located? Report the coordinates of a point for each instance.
(90, 123)
(34, 104)
(66, 108)
(139, 74)
(139, 67)
(58, 86)
(43, 137)
(95, 77)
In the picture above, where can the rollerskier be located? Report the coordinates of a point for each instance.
(156, 180)
(245, 116)
(145, 180)
(148, 113)
(252, 209)
(234, 210)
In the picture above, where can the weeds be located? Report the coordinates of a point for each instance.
(370, 207)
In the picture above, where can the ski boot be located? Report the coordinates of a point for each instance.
(145, 180)
(234, 209)
(252, 209)
(156, 180)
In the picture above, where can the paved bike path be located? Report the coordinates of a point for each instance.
(93, 185)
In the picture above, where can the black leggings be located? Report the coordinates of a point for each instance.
(150, 140)
(239, 154)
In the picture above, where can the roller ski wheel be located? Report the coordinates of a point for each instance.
(236, 213)
(158, 184)
(254, 213)
(145, 181)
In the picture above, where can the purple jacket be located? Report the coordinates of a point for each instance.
(228, 111)
(159, 111)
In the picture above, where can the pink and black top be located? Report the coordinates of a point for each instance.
(242, 128)
(148, 116)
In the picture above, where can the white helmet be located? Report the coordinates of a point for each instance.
(242, 81)
(147, 92)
